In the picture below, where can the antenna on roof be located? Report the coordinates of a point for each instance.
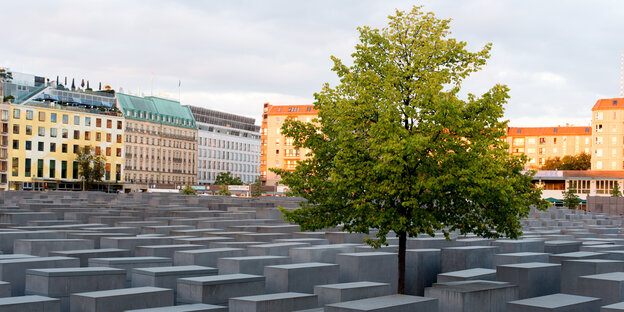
(622, 75)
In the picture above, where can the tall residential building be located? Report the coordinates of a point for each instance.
(608, 140)
(541, 143)
(4, 145)
(161, 141)
(277, 151)
(226, 142)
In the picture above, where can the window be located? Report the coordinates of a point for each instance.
(108, 137)
(16, 113)
(75, 170)
(28, 145)
(52, 169)
(53, 117)
(108, 151)
(41, 131)
(119, 138)
(52, 147)
(598, 140)
(76, 134)
(87, 135)
(599, 152)
(599, 128)
(87, 121)
(98, 122)
(15, 129)
(27, 168)
(53, 132)
(118, 152)
(98, 150)
(63, 148)
(5, 115)
(64, 169)
(98, 136)
(64, 133)
(28, 130)
(15, 166)
(542, 140)
(119, 124)
(76, 149)
(599, 115)
(109, 124)
(40, 168)
(29, 114)
(65, 119)
(15, 144)
(40, 146)
(76, 120)
(555, 140)
(516, 141)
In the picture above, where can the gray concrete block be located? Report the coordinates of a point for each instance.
(30, 303)
(519, 257)
(320, 253)
(392, 303)
(579, 255)
(558, 246)
(467, 275)
(522, 245)
(422, 266)
(555, 303)
(14, 270)
(167, 276)
(572, 269)
(121, 299)
(163, 250)
(616, 307)
(218, 289)
(206, 257)
(129, 263)
(462, 258)
(197, 307)
(289, 301)
(379, 267)
(473, 296)
(42, 247)
(249, 265)
(533, 279)
(85, 254)
(342, 292)
(607, 286)
(300, 277)
(275, 249)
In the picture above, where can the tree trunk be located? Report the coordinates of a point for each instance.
(402, 247)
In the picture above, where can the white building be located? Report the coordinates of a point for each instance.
(226, 142)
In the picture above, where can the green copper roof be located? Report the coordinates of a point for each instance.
(156, 110)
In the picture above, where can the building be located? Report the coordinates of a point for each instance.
(4, 146)
(226, 142)
(277, 151)
(161, 142)
(48, 124)
(608, 139)
(541, 143)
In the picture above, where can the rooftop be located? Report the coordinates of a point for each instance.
(289, 109)
(542, 131)
(154, 109)
(609, 104)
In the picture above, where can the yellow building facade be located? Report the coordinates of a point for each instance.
(44, 139)
(541, 143)
(608, 140)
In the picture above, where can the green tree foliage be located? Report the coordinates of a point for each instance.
(91, 167)
(570, 199)
(256, 188)
(580, 161)
(188, 190)
(225, 178)
(224, 191)
(615, 192)
(396, 150)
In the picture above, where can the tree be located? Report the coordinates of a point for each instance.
(570, 199)
(256, 188)
(188, 190)
(5, 76)
(616, 190)
(225, 178)
(91, 167)
(224, 190)
(580, 161)
(396, 150)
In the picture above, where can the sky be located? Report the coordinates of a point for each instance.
(557, 57)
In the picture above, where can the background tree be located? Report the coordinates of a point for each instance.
(91, 167)
(256, 188)
(5, 76)
(188, 190)
(395, 150)
(615, 192)
(225, 178)
(570, 199)
(224, 191)
(580, 161)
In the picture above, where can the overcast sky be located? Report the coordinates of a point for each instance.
(558, 57)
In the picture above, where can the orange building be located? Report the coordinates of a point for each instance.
(276, 150)
(541, 143)
(608, 141)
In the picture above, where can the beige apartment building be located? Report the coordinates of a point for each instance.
(161, 142)
(276, 150)
(541, 143)
(4, 145)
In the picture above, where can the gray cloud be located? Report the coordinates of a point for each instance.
(557, 57)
